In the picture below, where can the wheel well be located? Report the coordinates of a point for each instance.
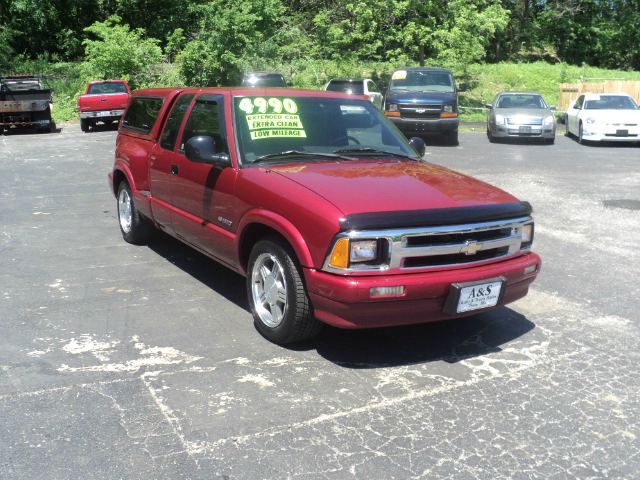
(118, 177)
(252, 234)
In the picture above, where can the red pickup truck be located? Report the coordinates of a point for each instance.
(102, 101)
(329, 212)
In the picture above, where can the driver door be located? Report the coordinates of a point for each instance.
(203, 194)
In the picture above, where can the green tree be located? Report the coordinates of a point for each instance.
(119, 52)
(229, 32)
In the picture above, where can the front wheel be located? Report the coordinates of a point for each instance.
(581, 139)
(277, 296)
(452, 138)
(135, 228)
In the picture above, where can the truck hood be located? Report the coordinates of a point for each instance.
(404, 96)
(382, 186)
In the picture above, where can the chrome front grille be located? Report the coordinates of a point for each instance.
(524, 120)
(443, 247)
(412, 110)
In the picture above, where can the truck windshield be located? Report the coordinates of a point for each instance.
(422, 81)
(107, 87)
(271, 125)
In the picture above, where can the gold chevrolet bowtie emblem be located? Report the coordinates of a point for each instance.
(470, 247)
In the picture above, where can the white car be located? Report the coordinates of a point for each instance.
(596, 117)
(357, 86)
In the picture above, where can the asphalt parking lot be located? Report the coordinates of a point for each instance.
(124, 362)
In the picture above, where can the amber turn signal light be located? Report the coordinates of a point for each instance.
(340, 254)
(448, 115)
(387, 113)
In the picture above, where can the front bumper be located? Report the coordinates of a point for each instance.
(611, 134)
(102, 114)
(344, 301)
(514, 131)
(427, 125)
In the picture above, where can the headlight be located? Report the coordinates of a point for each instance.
(392, 107)
(548, 121)
(590, 120)
(363, 250)
(527, 235)
(447, 109)
(346, 253)
(500, 120)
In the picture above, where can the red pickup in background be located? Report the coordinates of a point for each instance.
(103, 101)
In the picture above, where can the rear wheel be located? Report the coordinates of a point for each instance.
(135, 228)
(277, 296)
(84, 124)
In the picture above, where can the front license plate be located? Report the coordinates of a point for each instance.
(622, 133)
(466, 297)
(479, 296)
(525, 129)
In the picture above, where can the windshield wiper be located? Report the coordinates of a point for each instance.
(372, 151)
(298, 153)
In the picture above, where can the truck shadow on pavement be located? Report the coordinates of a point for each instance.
(217, 277)
(450, 341)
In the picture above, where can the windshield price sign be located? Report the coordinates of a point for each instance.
(273, 117)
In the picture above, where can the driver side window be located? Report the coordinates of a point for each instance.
(206, 118)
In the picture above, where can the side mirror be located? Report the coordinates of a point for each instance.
(418, 145)
(462, 87)
(202, 149)
(552, 107)
(489, 106)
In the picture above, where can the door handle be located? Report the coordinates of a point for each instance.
(174, 169)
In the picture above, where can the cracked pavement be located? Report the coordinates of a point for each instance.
(120, 362)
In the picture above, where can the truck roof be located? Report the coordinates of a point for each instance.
(425, 69)
(241, 91)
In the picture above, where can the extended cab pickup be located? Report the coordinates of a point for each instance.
(102, 101)
(329, 212)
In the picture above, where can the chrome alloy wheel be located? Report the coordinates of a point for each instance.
(125, 210)
(269, 290)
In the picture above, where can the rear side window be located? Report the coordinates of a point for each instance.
(171, 128)
(353, 88)
(142, 113)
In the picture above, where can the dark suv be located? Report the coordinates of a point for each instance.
(422, 101)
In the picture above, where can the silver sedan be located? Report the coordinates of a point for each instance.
(520, 115)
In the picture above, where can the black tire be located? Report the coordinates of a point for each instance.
(452, 138)
(567, 133)
(297, 322)
(490, 136)
(138, 230)
(550, 141)
(84, 124)
(581, 140)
